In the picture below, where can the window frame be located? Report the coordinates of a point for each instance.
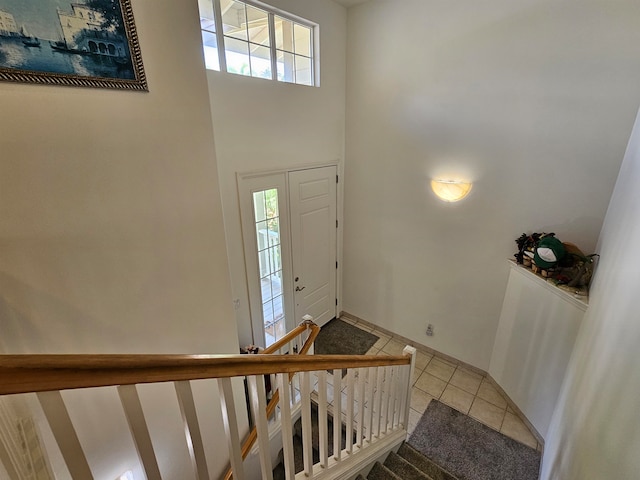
(271, 13)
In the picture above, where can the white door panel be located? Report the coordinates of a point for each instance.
(312, 200)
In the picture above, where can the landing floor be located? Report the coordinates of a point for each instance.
(466, 391)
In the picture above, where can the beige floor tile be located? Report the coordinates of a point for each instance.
(466, 380)
(440, 369)
(414, 418)
(422, 360)
(457, 398)
(430, 384)
(513, 427)
(373, 351)
(394, 347)
(420, 400)
(383, 339)
(416, 375)
(489, 393)
(487, 413)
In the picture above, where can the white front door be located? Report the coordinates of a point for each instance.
(290, 243)
(312, 201)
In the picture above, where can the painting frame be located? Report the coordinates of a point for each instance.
(125, 57)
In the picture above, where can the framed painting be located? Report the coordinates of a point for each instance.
(85, 43)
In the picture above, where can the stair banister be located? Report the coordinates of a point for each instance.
(51, 373)
(306, 326)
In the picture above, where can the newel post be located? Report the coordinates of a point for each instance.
(406, 394)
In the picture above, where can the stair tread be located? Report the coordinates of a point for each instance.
(403, 468)
(298, 458)
(315, 430)
(380, 472)
(423, 463)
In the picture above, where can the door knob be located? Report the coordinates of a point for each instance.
(298, 289)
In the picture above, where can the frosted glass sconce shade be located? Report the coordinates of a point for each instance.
(450, 190)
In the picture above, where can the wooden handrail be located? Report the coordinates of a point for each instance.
(306, 325)
(39, 373)
(273, 403)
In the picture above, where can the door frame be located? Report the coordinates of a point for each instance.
(243, 179)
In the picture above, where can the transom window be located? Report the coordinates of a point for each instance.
(249, 38)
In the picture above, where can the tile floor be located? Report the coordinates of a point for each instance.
(464, 390)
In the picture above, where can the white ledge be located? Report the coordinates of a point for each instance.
(569, 294)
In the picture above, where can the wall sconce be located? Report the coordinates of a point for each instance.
(451, 190)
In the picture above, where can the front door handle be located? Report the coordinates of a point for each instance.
(298, 289)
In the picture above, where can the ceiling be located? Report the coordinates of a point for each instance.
(350, 3)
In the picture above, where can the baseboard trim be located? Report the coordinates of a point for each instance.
(415, 344)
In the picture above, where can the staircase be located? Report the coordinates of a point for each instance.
(279, 470)
(407, 464)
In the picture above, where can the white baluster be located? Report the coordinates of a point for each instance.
(322, 418)
(407, 390)
(138, 426)
(350, 395)
(337, 414)
(378, 399)
(230, 420)
(287, 426)
(371, 382)
(259, 404)
(307, 445)
(58, 417)
(192, 429)
(393, 401)
(362, 376)
(386, 389)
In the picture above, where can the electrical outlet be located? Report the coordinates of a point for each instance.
(236, 304)
(429, 330)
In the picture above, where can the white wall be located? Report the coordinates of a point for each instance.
(532, 100)
(536, 333)
(261, 125)
(594, 433)
(111, 236)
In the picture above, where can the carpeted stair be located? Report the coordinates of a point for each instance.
(407, 464)
(278, 471)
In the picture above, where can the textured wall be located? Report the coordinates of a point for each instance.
(594, 433)
(532, 100)
(111, 236)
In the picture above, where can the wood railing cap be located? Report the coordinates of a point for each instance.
(37, 373)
